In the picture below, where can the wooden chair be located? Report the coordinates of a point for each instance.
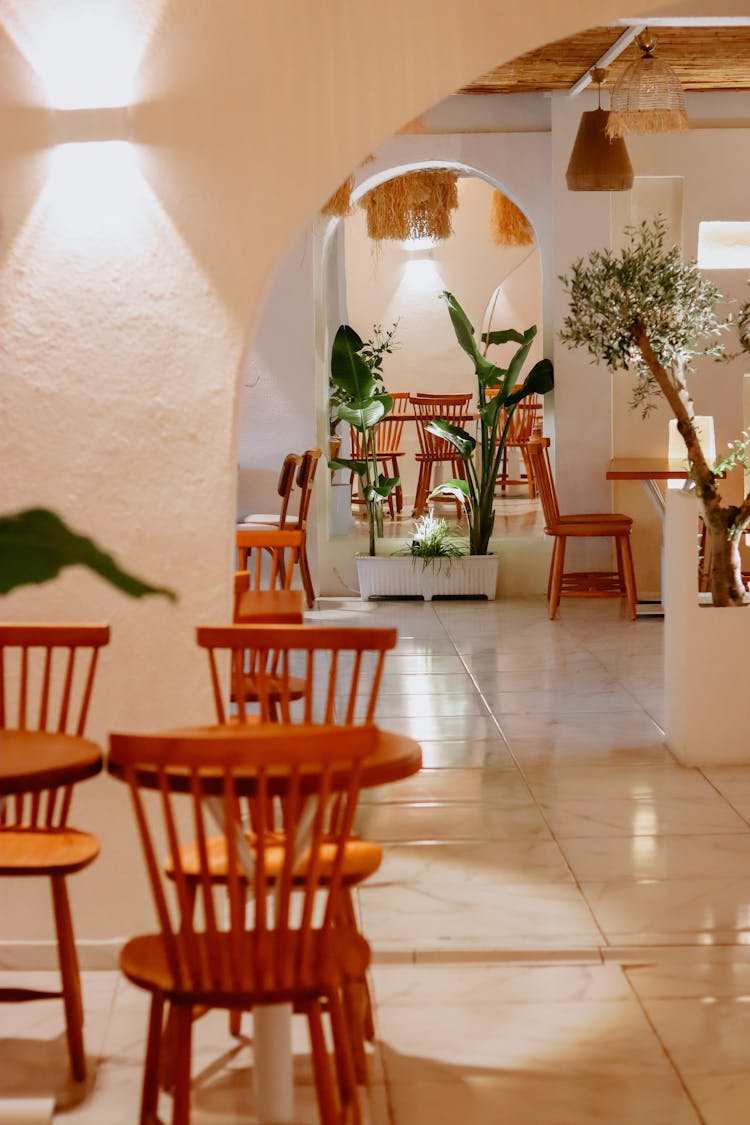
(46, 680)
(287, 519)
(388, 445)
(291, 947)
(267, 560)
(314, 675)
(525, 418)
(581, 584)
(284, 487)
(435, 450)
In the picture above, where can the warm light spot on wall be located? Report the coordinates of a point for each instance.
(86, 54)
(95, 193)
(724, 246)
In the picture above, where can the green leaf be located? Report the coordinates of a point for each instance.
(364, 416)
(487, 373)
(358, 467)
(463, 442)
(458, 489)
(504, 336)
(349, 372)
(35, 545)
(539, 381)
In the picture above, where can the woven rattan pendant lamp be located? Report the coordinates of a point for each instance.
(647, 97)
(598, 162)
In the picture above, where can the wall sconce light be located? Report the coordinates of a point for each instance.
(598, 162)
(79, 126)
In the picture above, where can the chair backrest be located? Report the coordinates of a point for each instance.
(537, 449)
(305, 477)
(212, 942)
(340, 670)
(268, 559)
(388, 432)
(47, 675)
(46, 680)
(525, 417)
(452, 408)
(289, 469)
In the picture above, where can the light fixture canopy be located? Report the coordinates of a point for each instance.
(598, 162)
(648, 96)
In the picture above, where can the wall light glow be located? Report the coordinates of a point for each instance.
(94, 192)
(86, 54)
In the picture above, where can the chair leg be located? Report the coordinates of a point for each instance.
(347, 917)
(304, 569)
(347, 1078)
(183, 1033)
(321, 1067)
(423, 481)
(150, 1088)
(399, 490)
(71, 981)
(628, 571)
(556, 575)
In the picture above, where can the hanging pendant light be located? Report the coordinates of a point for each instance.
(647, 97)
(508, 224)
(598, 162)
(415, 205)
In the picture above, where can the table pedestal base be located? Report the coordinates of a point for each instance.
(272, 1072)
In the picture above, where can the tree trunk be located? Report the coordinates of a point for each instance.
(723, 523)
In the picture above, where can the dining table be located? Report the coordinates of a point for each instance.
(394, 757)
(34, 760)
(652, 473)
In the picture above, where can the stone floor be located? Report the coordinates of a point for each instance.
(560, 926)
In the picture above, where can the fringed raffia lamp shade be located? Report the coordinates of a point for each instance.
(415, 205)
(340, 203)
(508, 224)
(647, 97)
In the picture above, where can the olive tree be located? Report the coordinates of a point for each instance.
(647, 310)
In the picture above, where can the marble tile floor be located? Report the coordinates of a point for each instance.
(561, 924)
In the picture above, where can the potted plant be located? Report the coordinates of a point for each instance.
(356, 387)
(482, 455)
(647, 309)
(381, 343)
(434, 564)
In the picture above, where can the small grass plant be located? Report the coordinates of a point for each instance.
(433, 540)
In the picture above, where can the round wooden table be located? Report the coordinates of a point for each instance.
(395, 757)
(35, 760)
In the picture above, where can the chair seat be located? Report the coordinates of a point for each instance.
(361, 859)
(266, 520)
(275, 688)
(588, 529)
(254, 968)
(597, 517)
(45, 851)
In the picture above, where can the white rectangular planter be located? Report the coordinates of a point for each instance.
(706, 650)
(393, 577)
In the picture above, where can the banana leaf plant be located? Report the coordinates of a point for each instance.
(362, 403)
(482, 455)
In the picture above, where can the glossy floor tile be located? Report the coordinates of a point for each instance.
(561, 922)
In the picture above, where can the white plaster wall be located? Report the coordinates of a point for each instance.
(124, 321)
